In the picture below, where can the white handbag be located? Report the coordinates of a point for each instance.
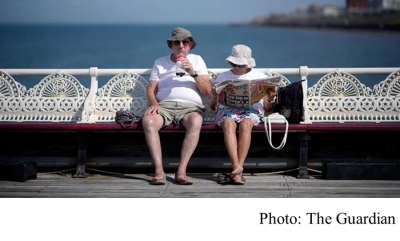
(275, 118)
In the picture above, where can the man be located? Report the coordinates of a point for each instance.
(176, 98)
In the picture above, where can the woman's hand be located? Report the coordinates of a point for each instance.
(268, 100)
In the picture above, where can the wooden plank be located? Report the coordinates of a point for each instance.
(137, 186)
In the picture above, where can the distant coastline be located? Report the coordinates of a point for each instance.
(344, 24)
(315, 17)
(373, 28)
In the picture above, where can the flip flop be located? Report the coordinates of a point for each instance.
(242, 181)
(155, 181)
(183, 181)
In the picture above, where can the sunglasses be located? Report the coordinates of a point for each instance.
(237, 65)
(184, 42)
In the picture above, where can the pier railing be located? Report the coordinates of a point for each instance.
(339, 96)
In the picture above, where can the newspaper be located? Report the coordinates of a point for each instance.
(243, 93)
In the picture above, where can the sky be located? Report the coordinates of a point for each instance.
(147, 11)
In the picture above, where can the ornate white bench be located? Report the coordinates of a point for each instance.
(59, 102)
(340, 97)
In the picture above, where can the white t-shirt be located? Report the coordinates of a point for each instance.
(253, 74)
(175, 88)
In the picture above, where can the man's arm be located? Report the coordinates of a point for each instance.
(203, 83)
(154, 107)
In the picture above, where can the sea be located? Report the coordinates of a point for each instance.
(137, 46)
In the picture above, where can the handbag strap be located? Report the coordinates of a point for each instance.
(268, 132)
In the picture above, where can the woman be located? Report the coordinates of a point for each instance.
(230, 119)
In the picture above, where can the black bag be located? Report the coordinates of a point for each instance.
(17, 171)
(126, 118)
(289, 102)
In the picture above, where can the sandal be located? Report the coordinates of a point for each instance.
(239, 182)
(183, 181)
(224, 178)
(155, 181)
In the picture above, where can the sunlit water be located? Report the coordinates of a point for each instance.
(76, 46)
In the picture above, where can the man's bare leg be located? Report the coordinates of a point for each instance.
(151, 126)
(192, 122)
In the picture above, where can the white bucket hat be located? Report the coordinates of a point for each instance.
(241, 55)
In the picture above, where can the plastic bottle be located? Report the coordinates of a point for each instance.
(180, 71)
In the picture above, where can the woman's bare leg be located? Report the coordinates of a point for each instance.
(243, 146)
(229, 126)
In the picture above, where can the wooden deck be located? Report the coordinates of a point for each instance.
(258, 185)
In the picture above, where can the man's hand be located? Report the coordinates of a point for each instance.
(153, 110)
(188, 66)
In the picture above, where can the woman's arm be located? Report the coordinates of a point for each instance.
(214, 104)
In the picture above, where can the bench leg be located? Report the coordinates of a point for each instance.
(304, 138)
(80, 169)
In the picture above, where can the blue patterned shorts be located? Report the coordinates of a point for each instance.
(238, 115)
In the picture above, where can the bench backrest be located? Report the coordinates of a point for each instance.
(341, 97)
(337, 97)
(58, 97)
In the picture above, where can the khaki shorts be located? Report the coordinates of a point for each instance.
(173, 111)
